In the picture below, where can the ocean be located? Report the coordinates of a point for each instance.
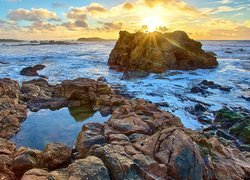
(170, 89)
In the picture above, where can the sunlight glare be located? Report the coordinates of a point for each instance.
(152, 22)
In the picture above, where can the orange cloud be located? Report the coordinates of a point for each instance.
(32, 15)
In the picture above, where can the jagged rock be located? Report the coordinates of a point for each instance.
(7, 150)
(119, 166)
(91, 134)
(102, 79)
(177, 151)
(56, 155)
(134, 74)
(236, 122)
(12, 109)
(139, 141)
(158, 52)
(88, 168)
(24, 160)
(32, 70)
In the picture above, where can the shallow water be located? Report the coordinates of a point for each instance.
(48, 126)
(172, 87)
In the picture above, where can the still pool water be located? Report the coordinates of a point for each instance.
(48, 126)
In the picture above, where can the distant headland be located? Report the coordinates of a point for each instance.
(95, 39)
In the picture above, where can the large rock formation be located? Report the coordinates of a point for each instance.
(158, 52)
(139, 141)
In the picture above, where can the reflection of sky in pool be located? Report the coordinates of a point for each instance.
(47, 126)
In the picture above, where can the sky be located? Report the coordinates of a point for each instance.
(62, 19)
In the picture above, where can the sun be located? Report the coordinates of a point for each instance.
(152, 22)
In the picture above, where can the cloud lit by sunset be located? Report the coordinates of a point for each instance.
(216, 19)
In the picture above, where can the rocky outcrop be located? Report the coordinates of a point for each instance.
(56, 155)
(139, 141)
(12, 109)
(232, 126)
(32, 70)
(158, 52)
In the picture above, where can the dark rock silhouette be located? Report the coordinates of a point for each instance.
(158, 52)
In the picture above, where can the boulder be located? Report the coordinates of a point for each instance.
(91, 134)
(32, 70)
(37, 174)
(119, 166)
(177, 151)
(158, 52)
(12, 109)
(88, 168)
(24, 160)
(56, 155)
(84, 90)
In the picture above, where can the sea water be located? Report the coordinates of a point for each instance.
(172, 87)
(46, 126)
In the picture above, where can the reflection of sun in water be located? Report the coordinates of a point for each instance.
(152, 22)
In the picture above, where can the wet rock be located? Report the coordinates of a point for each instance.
(56, 155)
(91, 134)
(88, 168)
(102, 79)
(224, 135)
(32, 71)
(162, 104)
(134, 74)
(152, 52)
(105, 111)
(228, 52)
(197, 89)
(236, 122)
(200, 108)
(205, 84)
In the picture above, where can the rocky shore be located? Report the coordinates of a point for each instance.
(157, 52)
(139, 141)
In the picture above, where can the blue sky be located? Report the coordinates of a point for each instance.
(233, 14)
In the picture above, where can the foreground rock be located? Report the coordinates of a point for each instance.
(158, 52)
(12, 109)
(232, 126)
(139, 141)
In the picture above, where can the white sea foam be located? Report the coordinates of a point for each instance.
(172, 87)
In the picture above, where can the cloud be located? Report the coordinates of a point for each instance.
(74, 25)
(95, 8)
(128, 6)
(110, 26)
(43, 26)
(221, 2)
(31, 15)
(239, 32)
(76, 13)
(97, 20)
(221, 9)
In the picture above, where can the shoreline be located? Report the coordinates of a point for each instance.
(135, 125)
